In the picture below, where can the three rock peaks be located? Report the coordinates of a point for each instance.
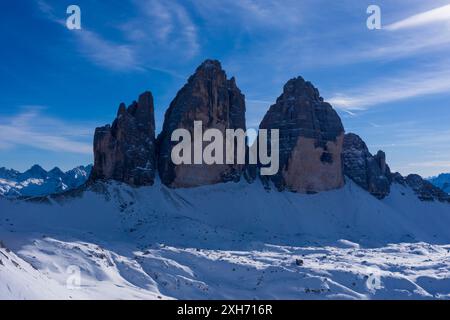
(314, 152)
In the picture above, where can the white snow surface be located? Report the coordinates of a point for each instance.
(229, 241)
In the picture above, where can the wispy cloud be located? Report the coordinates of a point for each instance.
(251, 14)
(32, 128)
(427, 31)
(395, 88)
(430, 164)
(424, 32)
(49, 12)
(405, 38)
(99, 50)
(160, 26)
(165, 26)
(117, 57)
(425, 18)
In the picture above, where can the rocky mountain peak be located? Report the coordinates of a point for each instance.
(209, 97)
(122, 110)
(125, 150)
(36, 172)
(209, 70)
(314, 152)
(209, 65)
(311, 137)
(355, 143)
(369, 172)
(34, 182)
(298, 88)
(56, 172)
(8, 173)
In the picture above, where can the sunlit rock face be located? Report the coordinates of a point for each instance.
(126, 150)
(210, 97)
(311, 137)
(369, 172)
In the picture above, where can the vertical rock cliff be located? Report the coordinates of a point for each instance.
(311, 137)
(210, 97)
(126, 150)
(369, 172)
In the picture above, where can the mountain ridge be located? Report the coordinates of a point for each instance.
(441, 181)
(36, 181)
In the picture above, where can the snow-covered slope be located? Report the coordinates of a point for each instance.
(38, 182)
(442, 181)
(228, 241)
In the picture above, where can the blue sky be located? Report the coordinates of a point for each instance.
(391, 86)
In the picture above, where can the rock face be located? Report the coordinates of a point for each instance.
(125, 151)
(373, 174)
(369, 172)
(425, 190)
(211, 98)
(311, 137)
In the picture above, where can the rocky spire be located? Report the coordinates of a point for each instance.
(369, 172)
(125, 151)
(311, 136)
(210, 97)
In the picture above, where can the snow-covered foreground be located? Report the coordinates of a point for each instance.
(231, 241)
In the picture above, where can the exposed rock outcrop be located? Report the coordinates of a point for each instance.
(210, 97)
(425, 190)
(369, 172)
(373, 174)
(311, 136)
(314, 152)
(125, 151)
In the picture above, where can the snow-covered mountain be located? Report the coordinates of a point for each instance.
(161, 243)
(442, 181)
(333, 223)
(38, 182)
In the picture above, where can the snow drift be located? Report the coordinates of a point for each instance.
(237, 241)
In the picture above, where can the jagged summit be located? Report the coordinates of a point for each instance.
(36, 170)
(210, 97)
(125, 150)
(369, 172)
(56, 172)
(372, 173)
(315, 153)
(209, 64)
(424, 189)
(37, 182)
(311, 135)
(299, 87)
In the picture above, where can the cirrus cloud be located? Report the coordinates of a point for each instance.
(32, 128)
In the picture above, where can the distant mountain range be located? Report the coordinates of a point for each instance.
(441, 181)
(36, 181)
